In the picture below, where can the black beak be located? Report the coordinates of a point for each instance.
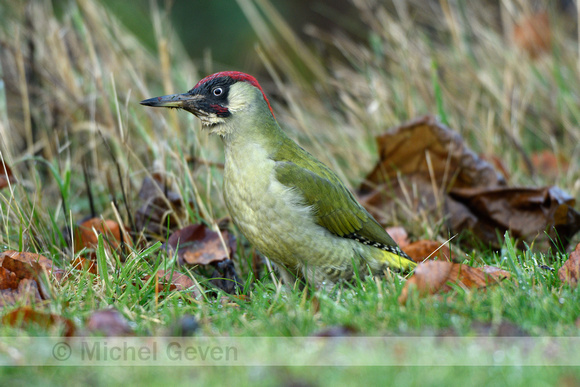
(182, 101)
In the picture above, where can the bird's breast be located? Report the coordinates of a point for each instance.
(271, 216)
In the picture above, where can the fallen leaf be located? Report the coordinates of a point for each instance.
(570, 270)
(162, 207)
(86, 235)
(197, 245)
(6, 177)
(402, 151)
(25, 293)
(526, 212)
(426, 158)
(108, 323)
(432, 277)
(25, 264)
(426, 166)
(179, 280)
(548, 164)
(426, 249)
(174, 281)
(9, 297)
(496, 273)
(8, 279)
(428, 278)
(533, 34)
(25, 316)
(19, 273)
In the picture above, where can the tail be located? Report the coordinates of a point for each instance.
(398, 261)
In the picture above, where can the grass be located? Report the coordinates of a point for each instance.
(308, 376)
(71, 85)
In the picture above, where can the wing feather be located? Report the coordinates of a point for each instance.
(335, 207)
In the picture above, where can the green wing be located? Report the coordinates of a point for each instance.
(336, 209)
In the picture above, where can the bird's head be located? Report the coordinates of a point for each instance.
(218, 99)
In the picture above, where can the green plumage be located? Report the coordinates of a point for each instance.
(335, 208)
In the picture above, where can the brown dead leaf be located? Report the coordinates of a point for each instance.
(25, 264)
(162, 207)
(428, 278)
(425, 249)
(30, 291)
(108, 323)
(432, 277)
(19, 273)
(26, 292)
(26, 316)
(496, 273)
(6, 176)
(179, 280)
(8, 279)
(570, 270)
(526, 212)
(198, 245)
(426, 158)
(402, 151)
(174, 281)
(533, 34)
(429, 168)
(548, 164)
(86, 235)
(399, 235)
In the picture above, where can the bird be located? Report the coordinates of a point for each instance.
(289, 205)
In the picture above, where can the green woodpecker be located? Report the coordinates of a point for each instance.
(289, 205)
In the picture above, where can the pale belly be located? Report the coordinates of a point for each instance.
(275, 220)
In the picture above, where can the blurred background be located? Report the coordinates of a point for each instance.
(219, 30)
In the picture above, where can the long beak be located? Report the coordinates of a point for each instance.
(172, 101)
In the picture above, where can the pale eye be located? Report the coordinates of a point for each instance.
(218, 91)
